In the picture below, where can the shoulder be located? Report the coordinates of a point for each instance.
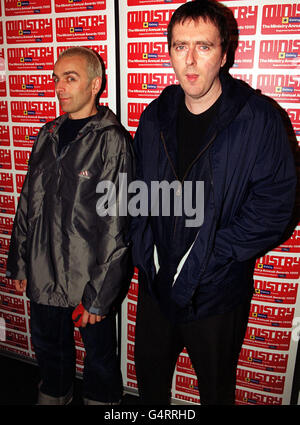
(164, 105)
(113, 137)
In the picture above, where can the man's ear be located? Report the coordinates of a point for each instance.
(96, 85)
(224, 59)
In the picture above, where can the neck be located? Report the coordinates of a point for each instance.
(198, 105)
(83, 114)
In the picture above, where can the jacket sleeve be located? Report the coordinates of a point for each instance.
(16, 261)
(268, 207)
(113, 266)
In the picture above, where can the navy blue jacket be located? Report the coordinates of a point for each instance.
(249, 189)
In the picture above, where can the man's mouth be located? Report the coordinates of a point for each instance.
(192, 77)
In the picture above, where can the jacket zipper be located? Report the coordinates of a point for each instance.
(178, 192)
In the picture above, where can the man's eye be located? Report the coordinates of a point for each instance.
(180, 48)
(70, 79)
(203, 48)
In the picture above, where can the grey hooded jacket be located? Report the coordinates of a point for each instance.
(65, 250)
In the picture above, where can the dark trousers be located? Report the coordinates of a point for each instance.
(213, 344)
(52, 332)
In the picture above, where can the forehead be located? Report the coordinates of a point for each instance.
(199, 29)
(76, 63)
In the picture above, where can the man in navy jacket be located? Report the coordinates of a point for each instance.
(195, 275)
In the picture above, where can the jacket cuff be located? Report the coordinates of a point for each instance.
(88, 299)
(93, 310)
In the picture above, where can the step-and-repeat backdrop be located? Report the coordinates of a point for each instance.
(32, 33)
(268, 58)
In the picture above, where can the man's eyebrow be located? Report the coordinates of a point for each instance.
(66, 73)
(203, 42)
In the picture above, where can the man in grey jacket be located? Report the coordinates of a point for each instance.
(64, 254)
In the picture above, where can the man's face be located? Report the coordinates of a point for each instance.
(75, 91)
(196, 56)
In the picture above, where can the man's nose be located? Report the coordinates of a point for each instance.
(190, 56)
(59, 86)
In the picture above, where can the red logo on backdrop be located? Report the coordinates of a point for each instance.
(29, 31)
(21, 159)
(81, 28)
(3, 110)
(7, 204)
(187, 398)
(275, 266)
(260, 381)
(30, 58)
(268, 338)
(152, 2)
(265, 315)
(20, 181)
(80, 354)
(6, 182)
(133, 291)
(245, 77)
(5, 159)
(281, 19)
(2, 74)
(283, 88)
(24, 137)
(2, 87)
(6, 285)
(4, 246)
(186, 384)
(130, 352)
(16, 340)
(12, 304)
(246, 17)
(275, 292)
(131, 371)
(34, 85)
(1, 33)
(294, 115)
(148, 23)
(131, 332)
(77, 338)
(6, 224)
(279, 54)
(33, 112)
(15, 322)
(148, 85)
(101, 49)
(134, 113)
(148, 55)
(4, 135)
(244, 55)
(272, 362)
(131, 311)
(14, 7)
(184, 365)
(246, 397)
(78, 5)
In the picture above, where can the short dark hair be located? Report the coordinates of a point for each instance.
(210, 10)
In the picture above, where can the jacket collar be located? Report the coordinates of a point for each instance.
(235, 94)
(102, 119)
